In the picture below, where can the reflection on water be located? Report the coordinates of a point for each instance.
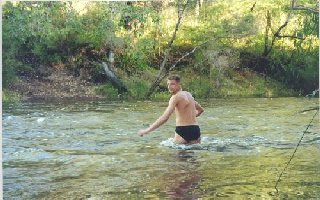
(181, 185)
(90, 150)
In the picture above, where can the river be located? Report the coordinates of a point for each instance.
(90, 150)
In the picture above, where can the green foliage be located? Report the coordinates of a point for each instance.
(132, 62)
(14, 35)
(96, 27)
(46, 33)
(292, 61)
(53, 31)
(10, 97)
(8, 70)
(199, 87)
(138, 87)
(107, 90)
(236, 84)
(161, 96)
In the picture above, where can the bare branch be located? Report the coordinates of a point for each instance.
(199, 46)
(277, 35)
(163, 69)
(315, 11)
(291, 36)
(187, 54)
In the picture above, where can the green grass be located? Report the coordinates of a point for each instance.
(230, 84)
(235, 84)
(10, 97)
(107, 90)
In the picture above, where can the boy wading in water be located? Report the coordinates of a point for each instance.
(186, 109)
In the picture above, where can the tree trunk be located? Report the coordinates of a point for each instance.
(111, 59)
(198, 8)
(277, 35)
(108, 67)
(266, 34)
(163, 70)
(113, 79)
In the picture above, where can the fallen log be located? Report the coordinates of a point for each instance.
(114, 80)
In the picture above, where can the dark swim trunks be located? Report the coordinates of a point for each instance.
(188, 133)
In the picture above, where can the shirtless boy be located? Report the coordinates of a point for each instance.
(186, 110)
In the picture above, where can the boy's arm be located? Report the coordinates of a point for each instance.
(199, 109)
(162, 119)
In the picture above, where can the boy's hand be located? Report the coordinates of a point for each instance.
(142, 132)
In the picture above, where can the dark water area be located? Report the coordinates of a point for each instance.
(90, 150)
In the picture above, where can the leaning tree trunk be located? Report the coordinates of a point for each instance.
(163, 70)
(114, 80)
(110, 65)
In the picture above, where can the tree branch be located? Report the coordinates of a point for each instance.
(187, 54)
(291, 36)
(315, 11)
(162, 69)
(277, 33)
(193, 50)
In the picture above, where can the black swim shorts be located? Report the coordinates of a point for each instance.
(188, 133)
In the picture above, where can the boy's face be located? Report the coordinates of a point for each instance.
(173, 86)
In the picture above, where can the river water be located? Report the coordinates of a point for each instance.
(90, 150)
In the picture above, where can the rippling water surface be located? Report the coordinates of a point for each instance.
(90, 150)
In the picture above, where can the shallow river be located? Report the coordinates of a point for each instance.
(90, 150)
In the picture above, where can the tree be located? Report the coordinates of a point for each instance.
(277, 33)
(163, 69)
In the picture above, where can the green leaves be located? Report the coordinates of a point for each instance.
(138, 32)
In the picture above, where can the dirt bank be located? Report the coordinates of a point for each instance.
(58, 86)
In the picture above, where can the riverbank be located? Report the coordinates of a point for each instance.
(58, 86)
(62, 86)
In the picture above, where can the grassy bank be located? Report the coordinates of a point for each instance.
(229, 84)
(10, 97)
(233, 84)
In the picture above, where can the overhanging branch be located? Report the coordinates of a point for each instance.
(312, 10)
(291, 36)
(277, 35)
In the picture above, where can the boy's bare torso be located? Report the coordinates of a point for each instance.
(185, 109)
